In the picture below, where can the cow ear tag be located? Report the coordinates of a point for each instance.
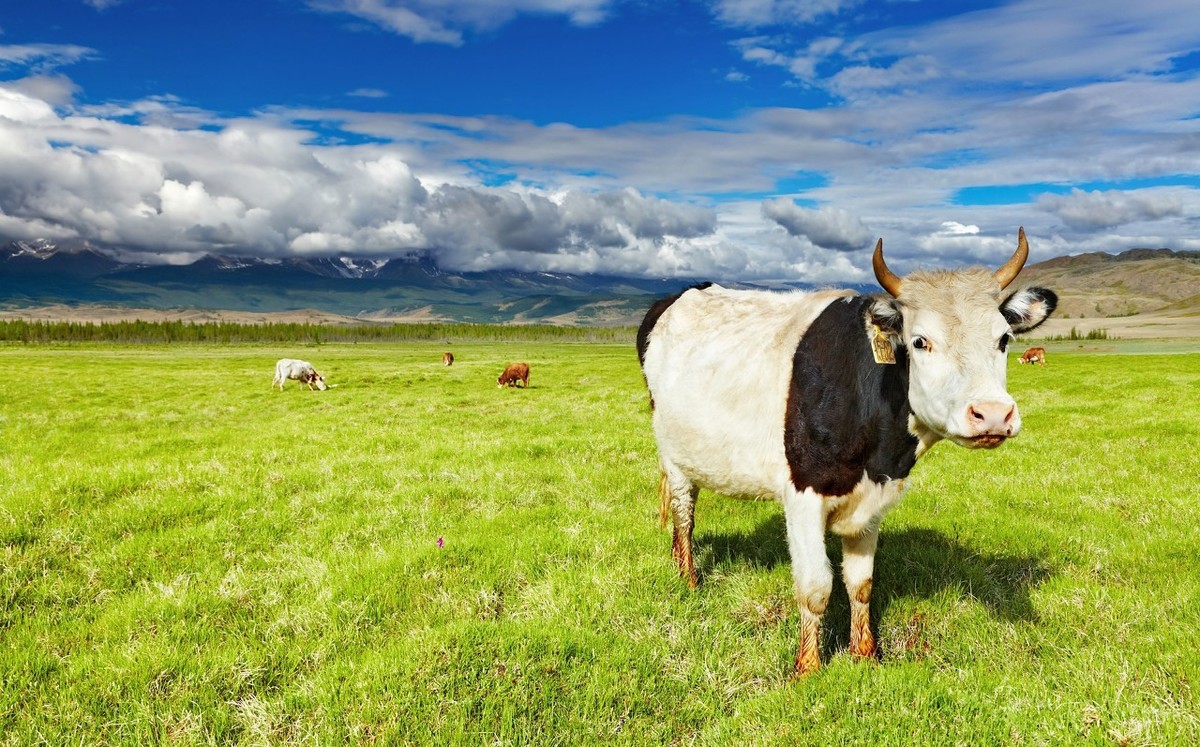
(881, 347)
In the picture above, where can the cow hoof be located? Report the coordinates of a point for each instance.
(803, 671)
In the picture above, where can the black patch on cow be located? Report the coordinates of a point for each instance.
(656, 310)
(845, 412)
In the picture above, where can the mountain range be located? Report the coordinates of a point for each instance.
(40, 273)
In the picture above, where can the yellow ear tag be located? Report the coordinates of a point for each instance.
(881, 347)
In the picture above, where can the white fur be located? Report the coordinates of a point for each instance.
(298, 370)
(958, 315)
(719, 364)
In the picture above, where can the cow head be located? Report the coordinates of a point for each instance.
(956, 326)
(319, 380)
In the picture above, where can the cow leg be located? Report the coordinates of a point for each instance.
(679, 494)
(858, 564)
(812, 577)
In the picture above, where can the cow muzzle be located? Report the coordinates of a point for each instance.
(989, 424)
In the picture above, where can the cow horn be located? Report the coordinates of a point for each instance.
(1012, 267)
(887, 279)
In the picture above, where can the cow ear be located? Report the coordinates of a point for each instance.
(1028, 307)
(885, 314)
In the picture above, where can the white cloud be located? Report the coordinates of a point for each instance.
(954, 228)
(828, 228)
(1045, 40)
(184, 181)
(1034, 44)
(444, 23)
(42, 58)
(261, 187)
(1108, 209)
(55, 90)
(757, 13)
(905, 73)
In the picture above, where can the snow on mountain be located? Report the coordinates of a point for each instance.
(36, 249)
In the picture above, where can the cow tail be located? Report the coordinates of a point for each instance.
(664, 499)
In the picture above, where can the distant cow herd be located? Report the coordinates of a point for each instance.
(293, 369)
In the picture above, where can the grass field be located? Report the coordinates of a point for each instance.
(416, 556)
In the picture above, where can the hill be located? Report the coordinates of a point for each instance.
(1138, 293)
(1135, 294)
(1110, 285)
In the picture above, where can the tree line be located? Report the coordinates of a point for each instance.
(170, 332)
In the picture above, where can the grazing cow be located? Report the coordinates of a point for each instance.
(513, 373)
(302, 371)
(1033, 355)
(447, 359)
(824, 401)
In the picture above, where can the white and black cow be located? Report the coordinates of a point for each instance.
(302, 371)
(824, 401)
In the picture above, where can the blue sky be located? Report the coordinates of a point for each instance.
(729, 139)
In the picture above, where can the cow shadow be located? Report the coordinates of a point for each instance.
(909, 562)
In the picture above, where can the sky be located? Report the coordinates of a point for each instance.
(718, 139)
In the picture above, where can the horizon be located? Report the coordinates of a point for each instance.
(739, 139)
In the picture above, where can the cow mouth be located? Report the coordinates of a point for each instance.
(989, 441)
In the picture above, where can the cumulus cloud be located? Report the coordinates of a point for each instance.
(828, 228)
(262, 187)
(157, 177)
(479, 227)
(56, 90)
(954, 228)
(444, 23)
(1108, 209)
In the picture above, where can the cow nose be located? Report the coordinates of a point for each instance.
(991, 418)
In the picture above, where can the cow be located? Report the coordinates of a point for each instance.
(1033, 355)
(513, 373)
(302, 371)
(824, 401)
(447, 359)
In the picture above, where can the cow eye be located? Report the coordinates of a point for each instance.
(920, 343)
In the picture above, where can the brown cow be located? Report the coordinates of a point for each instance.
(513, 373)
(447, 359)
(1033, 355)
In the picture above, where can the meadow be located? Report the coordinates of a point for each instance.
(418, 557)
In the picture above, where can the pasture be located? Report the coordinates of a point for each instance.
(416, 556)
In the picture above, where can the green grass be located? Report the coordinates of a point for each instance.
(192, 558)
